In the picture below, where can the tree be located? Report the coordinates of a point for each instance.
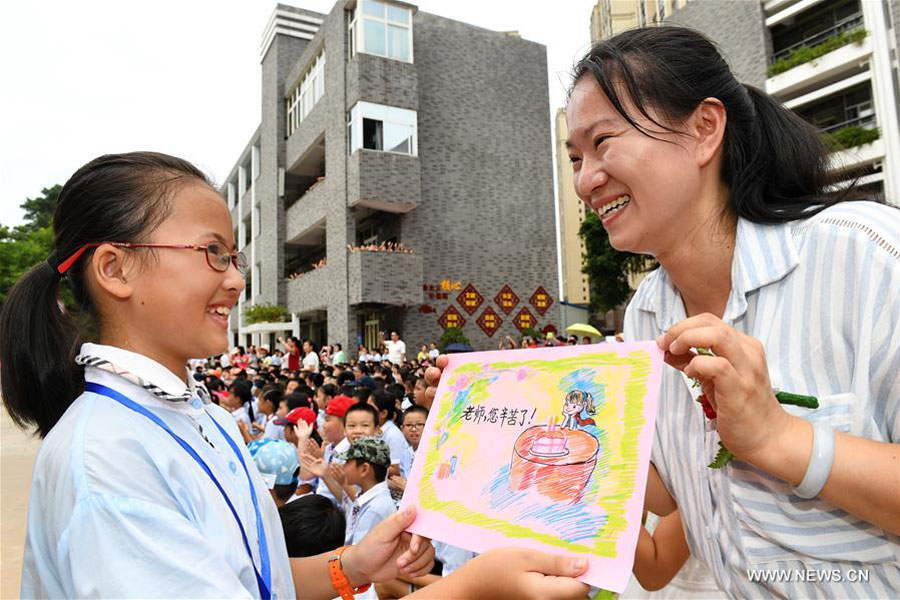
(607, 268)
(39, 211)
(28, 244)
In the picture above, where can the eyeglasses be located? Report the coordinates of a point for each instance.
(217, 255)
(414, 425)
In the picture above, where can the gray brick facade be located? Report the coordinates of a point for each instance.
(475, 205)
(738, 27)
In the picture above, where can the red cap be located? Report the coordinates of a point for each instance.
(339, 405)
(295, 415)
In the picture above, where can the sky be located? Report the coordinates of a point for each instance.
(83, 78)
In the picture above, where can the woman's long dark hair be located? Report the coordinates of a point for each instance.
(116, 197)
(774, 163)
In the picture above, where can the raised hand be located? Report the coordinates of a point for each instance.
(313, 449)
(316, 466)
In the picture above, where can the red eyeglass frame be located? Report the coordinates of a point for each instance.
(241, 268)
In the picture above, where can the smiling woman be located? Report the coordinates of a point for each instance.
(788, 285)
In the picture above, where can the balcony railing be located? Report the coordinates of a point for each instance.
(848, 23)
(864, 121)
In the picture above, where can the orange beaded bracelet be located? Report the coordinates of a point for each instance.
(339, 580)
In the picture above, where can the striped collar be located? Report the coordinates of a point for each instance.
(764, 254)
(142, 371)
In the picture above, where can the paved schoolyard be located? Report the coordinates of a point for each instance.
(17, 452)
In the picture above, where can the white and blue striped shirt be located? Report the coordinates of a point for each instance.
(823, 296)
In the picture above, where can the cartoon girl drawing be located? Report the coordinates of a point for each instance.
(576, 402)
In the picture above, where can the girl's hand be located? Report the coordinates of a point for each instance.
(388, 551)
(522, 574)
(749, 418)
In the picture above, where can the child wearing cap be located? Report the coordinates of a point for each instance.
(333, 438)
(277, 462)
(367, 462)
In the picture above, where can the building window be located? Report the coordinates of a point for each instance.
(306, 94)
(381, 29)
(386, 128)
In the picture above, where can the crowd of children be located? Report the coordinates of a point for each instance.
(335, 443)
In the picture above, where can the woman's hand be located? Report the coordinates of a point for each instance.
(749, 418)
(389, 551)
(513, 573)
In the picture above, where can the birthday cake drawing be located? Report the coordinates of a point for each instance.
(550, 443)
(555, 461)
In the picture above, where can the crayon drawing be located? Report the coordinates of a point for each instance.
(544, 448)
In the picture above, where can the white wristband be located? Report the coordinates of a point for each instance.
(819, 462)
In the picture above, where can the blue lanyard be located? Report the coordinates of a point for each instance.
(263, 580)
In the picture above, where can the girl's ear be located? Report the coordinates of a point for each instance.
(113, 270)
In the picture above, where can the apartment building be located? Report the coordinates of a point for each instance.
(400, 178)
(610, 17)
(834, 62)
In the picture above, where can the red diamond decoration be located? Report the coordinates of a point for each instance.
(451, 318)
(470, 299)
(541, 300)
(489, 321)
(506, 299)
(524, 319)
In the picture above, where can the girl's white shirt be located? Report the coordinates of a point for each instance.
(119, 509)
(241, 414)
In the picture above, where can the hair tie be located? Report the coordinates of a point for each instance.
(53, 263)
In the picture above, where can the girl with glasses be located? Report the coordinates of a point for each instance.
(146, 245)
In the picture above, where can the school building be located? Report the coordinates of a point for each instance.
(400, 178)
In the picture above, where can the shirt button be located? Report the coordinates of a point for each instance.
(233, 468)
(709, 532)
(196, 403)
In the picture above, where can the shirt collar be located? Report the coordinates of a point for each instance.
(372, 492)
(763, 254)
(146, 369)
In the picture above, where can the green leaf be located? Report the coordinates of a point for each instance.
(265, 313)
(723, 457)
(452, 335)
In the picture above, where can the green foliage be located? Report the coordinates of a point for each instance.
(722, 458)
(28, 244)
(850, 137)
(607, 268)
(452, 335)
(39, 211)
(21, 249)
(534, 333)
(265, 313)
(805, 54)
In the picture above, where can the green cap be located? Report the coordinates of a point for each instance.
(370, 449)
